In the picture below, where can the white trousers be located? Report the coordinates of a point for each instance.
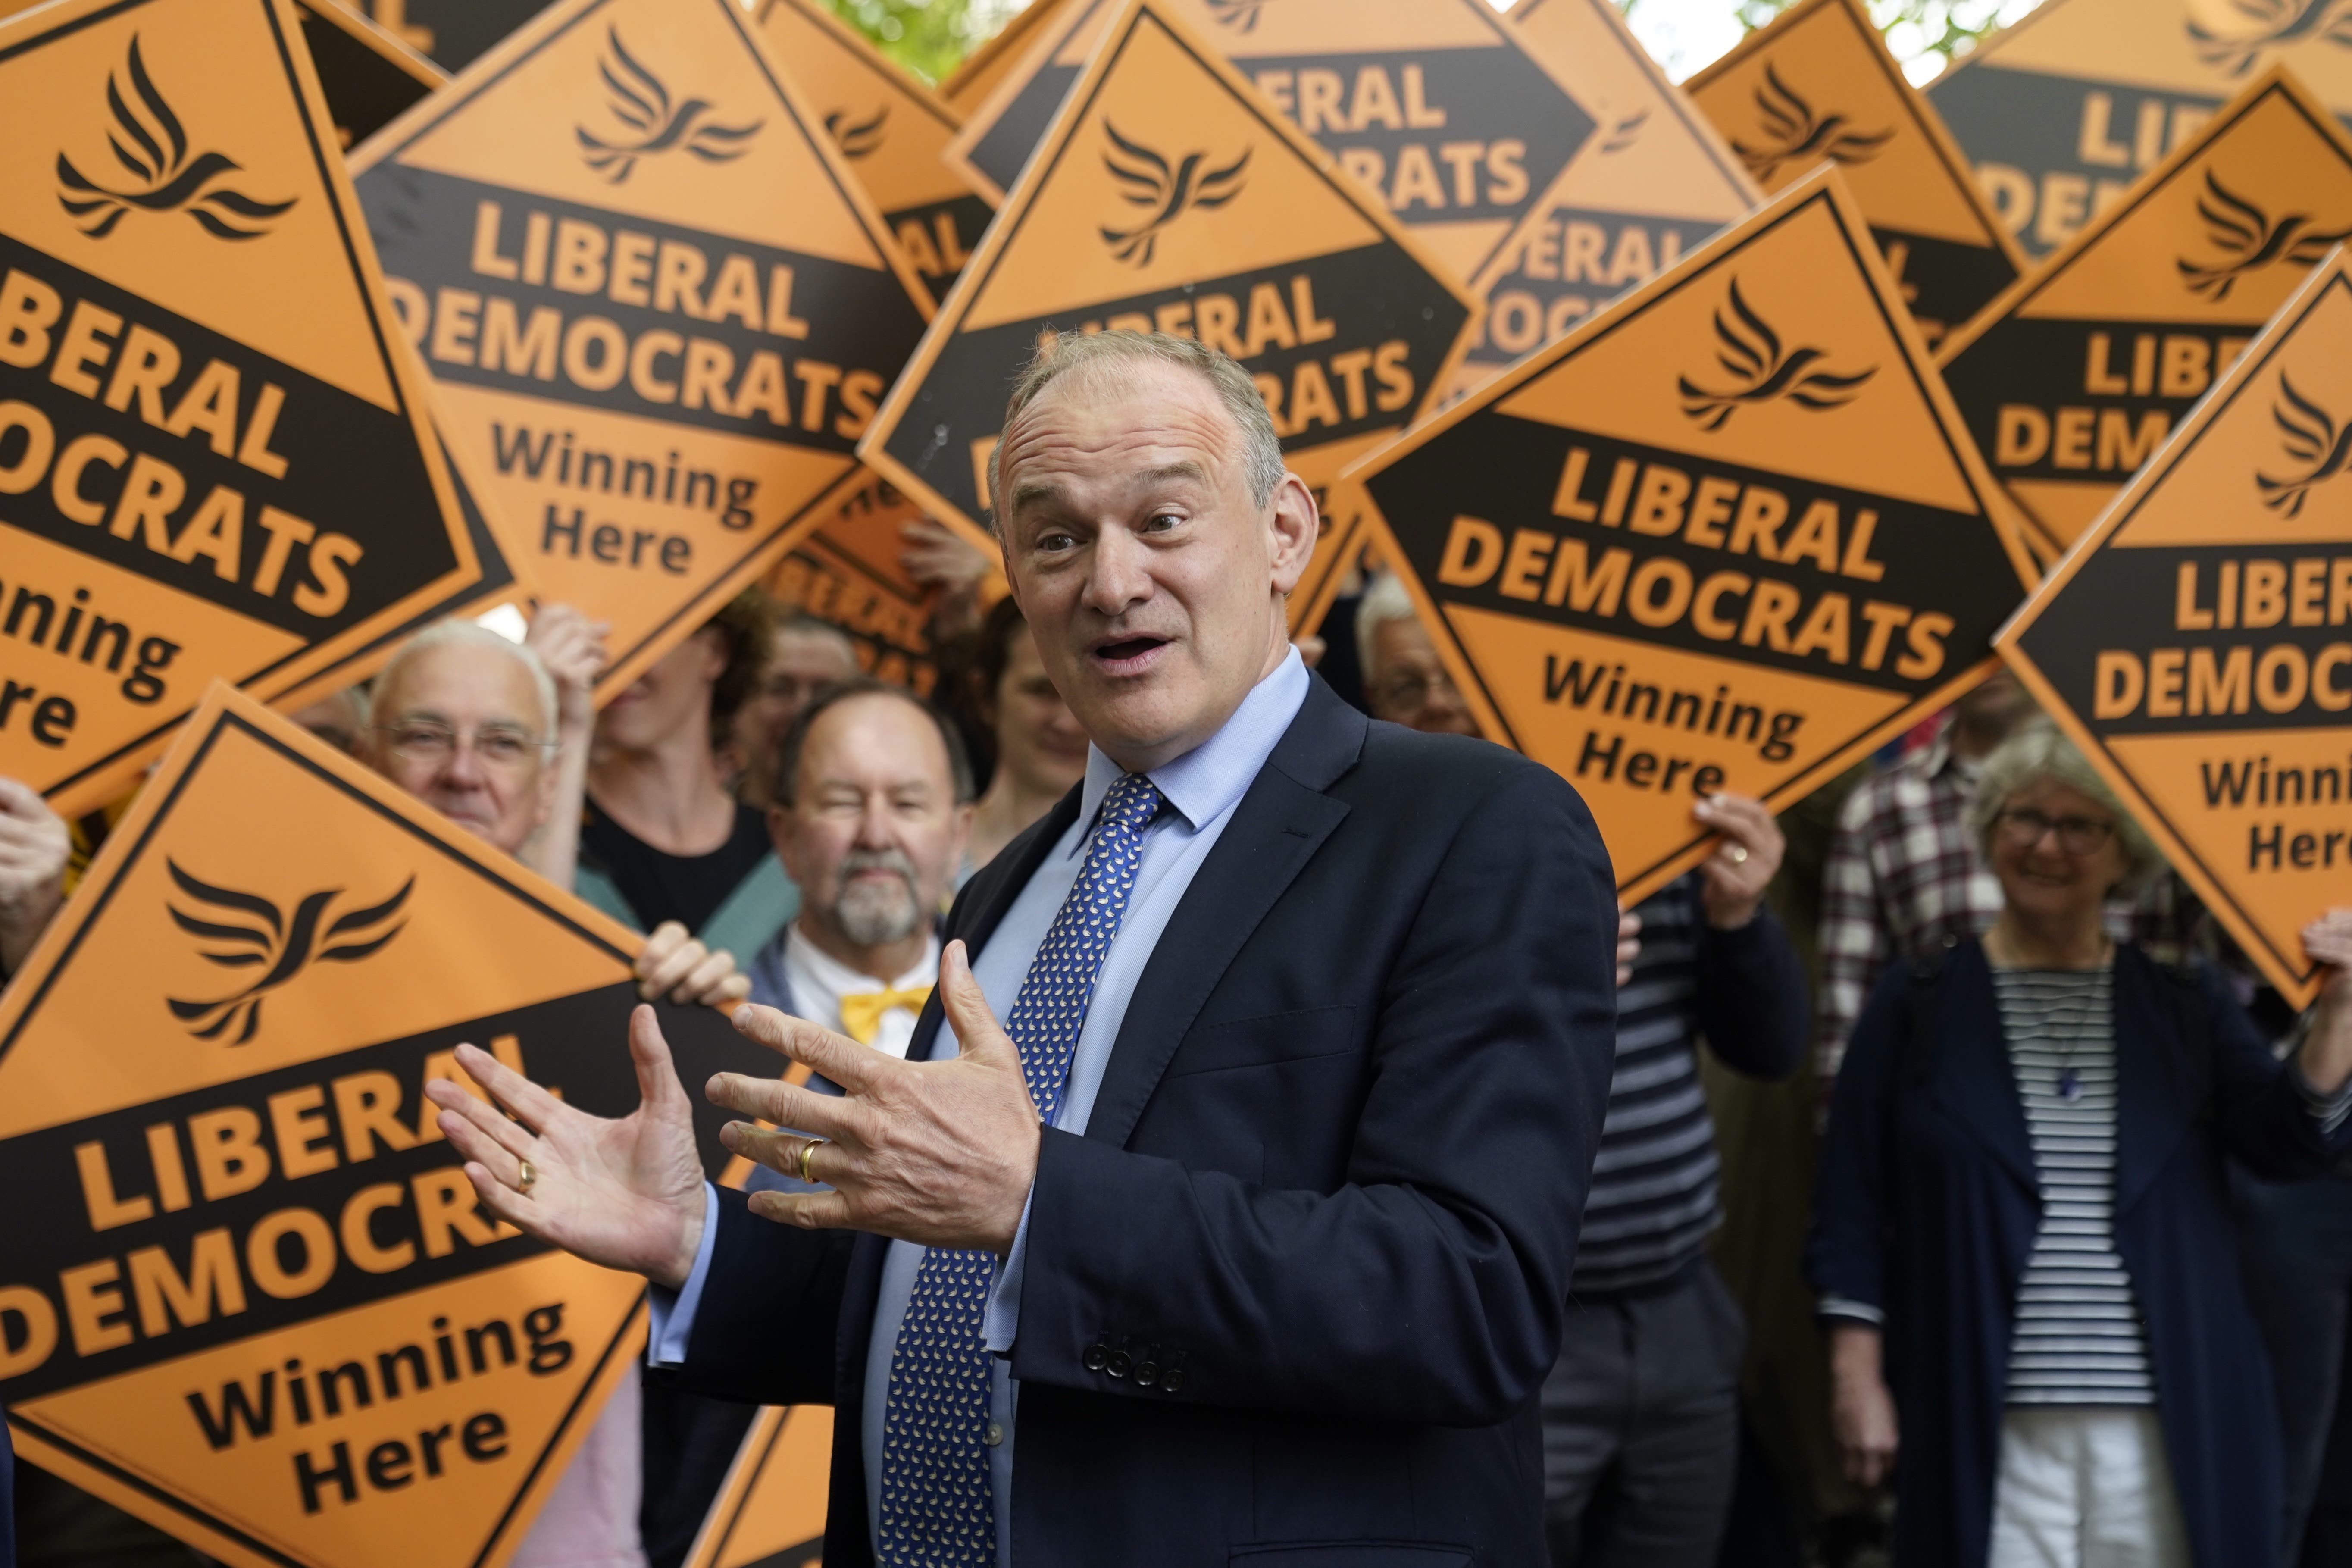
(2085, 1487)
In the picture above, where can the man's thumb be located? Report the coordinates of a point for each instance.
(978, 1034)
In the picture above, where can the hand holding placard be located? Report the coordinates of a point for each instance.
(624, 1194)
(2327, 1055)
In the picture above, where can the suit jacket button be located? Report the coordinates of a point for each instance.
(1096, 1356)
(1172, 1381)
(1146, 1373)
(1119, 1362)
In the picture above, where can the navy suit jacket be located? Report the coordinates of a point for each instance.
(1290, 1298)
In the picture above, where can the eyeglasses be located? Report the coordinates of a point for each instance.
(2076, 834)
(1410, 690)
(430, 740)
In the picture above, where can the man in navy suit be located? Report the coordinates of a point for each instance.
(1235, 1174)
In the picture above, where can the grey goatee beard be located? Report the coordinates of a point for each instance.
(871, 914)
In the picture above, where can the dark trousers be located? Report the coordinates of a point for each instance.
(1641, 1421)
(2294, 1241)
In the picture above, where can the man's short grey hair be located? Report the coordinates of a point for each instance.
(1383, 602)
(2040, 753)
(1097, 352)
(459, 632)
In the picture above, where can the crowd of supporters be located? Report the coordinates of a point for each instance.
(1963, 1195)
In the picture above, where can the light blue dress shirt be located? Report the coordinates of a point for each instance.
(1201, 789)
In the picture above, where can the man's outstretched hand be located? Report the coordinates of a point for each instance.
(624, 1194)
(939, 1152)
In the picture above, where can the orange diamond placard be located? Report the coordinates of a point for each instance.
(2071, 380)
(2196, 641)
(1820, 83)
(259, 1306)
(1170, 195)
(1730, 534)
(216, 458)
(2063, 111)
(659, 306)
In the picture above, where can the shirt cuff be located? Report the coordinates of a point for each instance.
(1001, 1326)
(1852, 1310)
(673, 1312)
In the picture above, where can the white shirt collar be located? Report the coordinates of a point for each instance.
(837, 979)
(1206, 781)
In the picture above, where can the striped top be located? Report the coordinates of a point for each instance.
(2079, 1339)
(1655, 1180)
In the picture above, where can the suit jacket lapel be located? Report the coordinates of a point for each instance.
(1282, 820)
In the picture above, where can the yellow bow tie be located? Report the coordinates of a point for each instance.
(861, 1015)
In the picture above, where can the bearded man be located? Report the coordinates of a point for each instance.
(872, 805)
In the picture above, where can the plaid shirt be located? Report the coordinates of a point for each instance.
(1904, 875)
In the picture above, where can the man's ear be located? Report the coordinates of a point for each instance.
(1295, 523)
(780, 835)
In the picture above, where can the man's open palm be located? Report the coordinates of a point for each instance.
(626, 1194)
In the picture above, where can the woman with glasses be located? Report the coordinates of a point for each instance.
(2020, 1232)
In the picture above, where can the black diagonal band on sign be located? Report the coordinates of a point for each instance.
(2217, 665)
(352, 467)
(1492, 98)
(1575, 261)
(1373, 295)
(858, 318)
(575, 1043)
(1945, 281)
(2045, 365)
(964, 217)
(2032, 122)
(1505, 470)
(498, 573)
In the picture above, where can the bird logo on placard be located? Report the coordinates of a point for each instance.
(251, 932)
(2269, 24)
(2250, 240)
(859, 139)
(1623, 130)
(1795, 134)
(1239, 14)
(2310, 435)
(1764, 371)
(1170, 191)
(639, 99)
(151, 143)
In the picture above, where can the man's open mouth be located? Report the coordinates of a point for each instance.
(1127, 648)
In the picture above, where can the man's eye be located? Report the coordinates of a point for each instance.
(1056, 542)
(1161, 522)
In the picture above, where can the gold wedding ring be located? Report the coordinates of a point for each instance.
(808, 1149)
(530, 1179)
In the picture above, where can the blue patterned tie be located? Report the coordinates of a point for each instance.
(938, 1503)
